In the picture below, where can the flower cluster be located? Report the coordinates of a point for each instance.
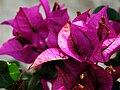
(80, 43)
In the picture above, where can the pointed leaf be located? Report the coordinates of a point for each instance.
(9, 73)
(26, 22)
(8, 22)
(34, 81)
(14, 71)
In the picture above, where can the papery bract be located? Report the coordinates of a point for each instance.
(88, 36)
(105, 49)
(27, 23)
(49, 55)
(13, 48)
(46, 6)
(116, 26)
(64, 80)
(26, 28)
(86, 76)
(73, 41)
(66, 43)
(30, 29)
(55, 20)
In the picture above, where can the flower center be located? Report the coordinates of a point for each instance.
(56, 6)
(21, 39)
(110, 69)
(34, 30)
(81, 84)
(83, 75)
(78, 13)
(101, 27)
(79, 87)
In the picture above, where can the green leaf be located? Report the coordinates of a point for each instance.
(14, 71)
(26, 76)
(34, 81)
(116, 86)
(48, 69)
(98, 9)
(39, 87)
(17, 62)
(115, 61)
(112, 14)
(9, 73)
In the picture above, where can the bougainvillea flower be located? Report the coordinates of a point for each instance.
(55, 20)
(114, 71)
(55, 23)
(27, 30)
(28, 21)
(85, 77)
(31, 30)
(66, 44)
(90, 37)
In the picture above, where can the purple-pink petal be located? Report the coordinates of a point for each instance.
(95, 18)
(27, 20)
(46, 7)
(81, 41)
(13, 48)
(95, 78)
(116, 26)
(49, 55)
(66, 43)
(82, 17)
(64, 81)
(51, 40)
(55, 22)
(105, 80)
(8, 22)
(92, 26)
(105, 49)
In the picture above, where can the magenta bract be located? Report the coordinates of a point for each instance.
(31, 30)
(89, 37)
(86, 76)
